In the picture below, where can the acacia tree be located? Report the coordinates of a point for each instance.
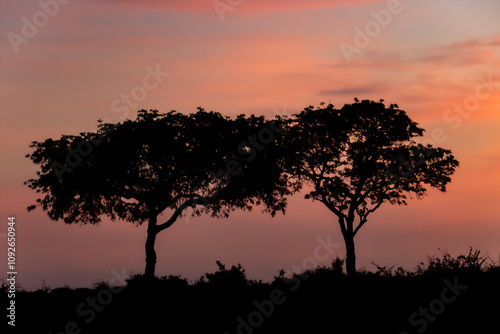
(356, 158)
(160, 164)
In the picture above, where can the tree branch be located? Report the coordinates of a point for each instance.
(361, 223)
(174, 217)
(365, 216)
(190, 196)
(331, 207)
(363, 195)
(354, 198)
(193, 200)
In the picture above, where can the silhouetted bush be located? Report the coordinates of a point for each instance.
(234, 277)
(470, 262)
(316, 300)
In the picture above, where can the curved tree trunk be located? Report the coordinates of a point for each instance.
(150, 248)
(350, 254)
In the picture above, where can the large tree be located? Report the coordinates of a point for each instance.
(356, 158)
(160, 164)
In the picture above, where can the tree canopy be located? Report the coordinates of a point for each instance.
(358, 157)
(155, 163)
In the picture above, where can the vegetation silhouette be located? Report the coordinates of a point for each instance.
(161, 164)
(226, 301)
(359, 157)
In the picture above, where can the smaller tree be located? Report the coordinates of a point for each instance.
(356, 158)
(161, 164)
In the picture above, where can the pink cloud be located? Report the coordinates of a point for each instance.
(245, 6)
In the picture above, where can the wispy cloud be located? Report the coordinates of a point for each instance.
(484, 41)
(245, 7)
(373, 88)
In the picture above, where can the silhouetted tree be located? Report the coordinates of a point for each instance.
(160, 164)
(358, 157)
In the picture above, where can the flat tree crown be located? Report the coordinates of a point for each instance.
(142, 167)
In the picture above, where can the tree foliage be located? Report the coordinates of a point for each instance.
(160, 162)
(360, 156)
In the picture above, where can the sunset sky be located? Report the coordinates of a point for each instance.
(438, 60)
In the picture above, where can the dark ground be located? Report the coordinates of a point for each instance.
(461, 295)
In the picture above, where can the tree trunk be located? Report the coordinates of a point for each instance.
(350, 255)
(150, 248)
